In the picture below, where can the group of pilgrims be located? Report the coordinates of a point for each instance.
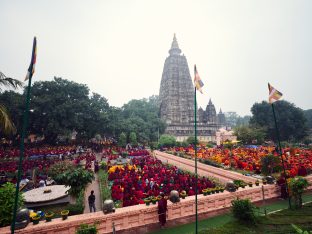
(147, 176)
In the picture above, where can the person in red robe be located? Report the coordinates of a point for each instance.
(162, 210)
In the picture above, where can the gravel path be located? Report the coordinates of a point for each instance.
(95, 186)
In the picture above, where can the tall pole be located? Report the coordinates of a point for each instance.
(30, 73)
(280, 153)
(22, 147)
(196, 176)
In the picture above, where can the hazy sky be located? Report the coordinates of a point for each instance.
(118, 48)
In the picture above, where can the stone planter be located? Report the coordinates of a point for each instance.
(49, 216)
(36, 219)
(64, 214)
(147, 202)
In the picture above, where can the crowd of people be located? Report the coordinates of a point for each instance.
(147, 176)
(41, 159)
(298, 161)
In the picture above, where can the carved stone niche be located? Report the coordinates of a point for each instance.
(174, 196)
(22, 218)
(108, 206)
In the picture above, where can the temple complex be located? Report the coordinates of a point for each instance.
(176, 96)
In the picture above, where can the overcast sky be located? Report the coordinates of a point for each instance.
(118, 48)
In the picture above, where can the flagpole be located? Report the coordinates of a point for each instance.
(281, 155)
(23, 133)
(196, 176)
(22, 147)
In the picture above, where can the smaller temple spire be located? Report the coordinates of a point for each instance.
(210, 102)
(220, 112)
(174, 50)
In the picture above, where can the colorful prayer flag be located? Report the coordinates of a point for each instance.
(197, 81)
(31, 69)
(274, 95)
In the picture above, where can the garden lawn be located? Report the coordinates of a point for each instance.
(278, 222)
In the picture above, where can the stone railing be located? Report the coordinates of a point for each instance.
(141, 216)
(203, 169)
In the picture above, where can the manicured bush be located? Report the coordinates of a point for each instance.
(297, 186)
(104, 187)
(7, 198)
(59, 168)
(77, 208)
(244, 211)
(77, 179)
(87, 229)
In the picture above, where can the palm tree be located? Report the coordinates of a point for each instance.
(6, 123)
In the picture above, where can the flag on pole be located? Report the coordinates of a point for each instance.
(31, 69)
(197, 81)
(274, 94)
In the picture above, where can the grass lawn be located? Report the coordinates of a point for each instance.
(278, 222)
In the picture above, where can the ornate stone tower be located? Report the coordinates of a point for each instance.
(176, 89)
(176, 97)
(221, 119)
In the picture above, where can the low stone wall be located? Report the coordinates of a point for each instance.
(203, 169)
(140, 216)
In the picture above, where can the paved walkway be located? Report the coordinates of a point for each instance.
(95, 186)
(203, 170)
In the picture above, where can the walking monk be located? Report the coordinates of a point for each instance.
(162, 209)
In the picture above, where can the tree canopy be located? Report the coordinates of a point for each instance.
(290, 120)
(60, 107)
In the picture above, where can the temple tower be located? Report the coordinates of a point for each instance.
(176, 89)
(176, 95)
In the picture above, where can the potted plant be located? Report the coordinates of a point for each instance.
(183, 194)
(147, 201)
(217, 189)
(264, 181)
(204, 192)
(221, 189)
(158, 198)
(154, 200)
(64, 214)
(257, 182)
(242, 185)
(250, 184)
(36, 219)
(208, 191)
(213, 190)
(49, 216)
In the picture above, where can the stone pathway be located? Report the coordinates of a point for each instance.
(95, 186)
(203, 170)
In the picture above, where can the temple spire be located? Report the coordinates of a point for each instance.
(174, 50)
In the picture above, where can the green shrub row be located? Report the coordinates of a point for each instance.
(105, 189)
(77, 208)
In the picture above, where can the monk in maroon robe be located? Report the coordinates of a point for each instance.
(162, 209)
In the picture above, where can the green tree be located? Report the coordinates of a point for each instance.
(7, 199)
(142, 117)
(308, 115)
(60, 168)
(250, 135)
(191, 140)
(290, 119)
(167, 141)
(297, 186)
(77, 179)
(133, 138)
(122, 139)
(60, 107)
(244, 211)
(6, 124)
